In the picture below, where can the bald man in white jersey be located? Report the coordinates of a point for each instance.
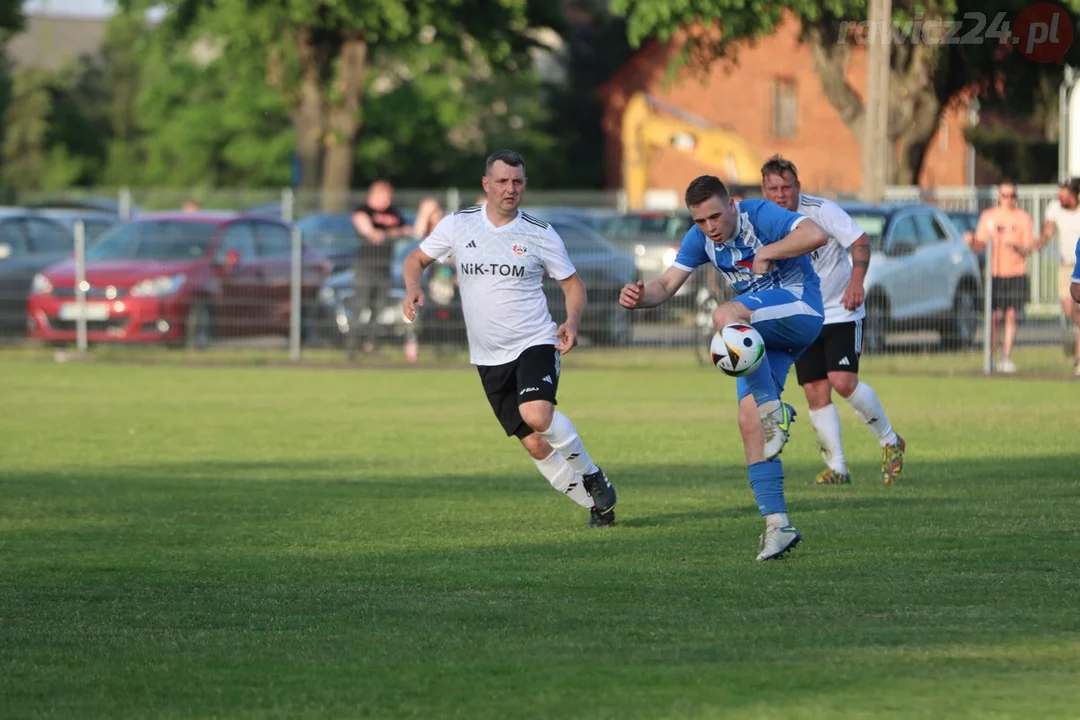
(832, 362)
(502, 255)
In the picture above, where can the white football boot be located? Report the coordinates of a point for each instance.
(776, 541)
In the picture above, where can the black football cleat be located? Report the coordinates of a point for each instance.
(597, 520)
(601, 491)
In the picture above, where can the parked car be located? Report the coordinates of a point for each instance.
(602, 266)
(922, 275)
(177, 277)
(95, 222)
(652, 237)
(966, 223)
(336, 315)
(29, 243)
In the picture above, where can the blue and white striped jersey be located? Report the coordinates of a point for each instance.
(760, 223)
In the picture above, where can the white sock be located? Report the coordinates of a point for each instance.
(865, 402)
(826, 422)
(563, 478)
(777, 520)
(563, 437)
(768, 407)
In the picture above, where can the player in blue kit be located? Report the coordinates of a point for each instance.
(1074, 286)
(762, 251)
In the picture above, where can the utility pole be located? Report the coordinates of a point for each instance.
(877, 150)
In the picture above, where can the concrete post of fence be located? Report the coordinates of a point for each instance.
(295, 299)
(988, 312)
(124, 204)
(80, 286)
(288, 205)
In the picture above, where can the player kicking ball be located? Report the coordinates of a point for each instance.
(761, 250)
(502, 254)
(832, 362)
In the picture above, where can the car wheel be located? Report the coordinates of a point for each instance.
(960, 330)
(198, 330)
(875, 327)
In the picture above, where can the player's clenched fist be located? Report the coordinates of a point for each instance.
(631, 295)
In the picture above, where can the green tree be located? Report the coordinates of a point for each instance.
(318, 54)
(205, 120)
(431, 116)
(925, 77)
(26, 128)
(50, 142)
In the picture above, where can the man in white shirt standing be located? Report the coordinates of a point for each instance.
(502, 254)
(833, 361)
(1063, 221)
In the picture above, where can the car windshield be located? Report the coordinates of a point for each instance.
(154, 240)
(872, 224)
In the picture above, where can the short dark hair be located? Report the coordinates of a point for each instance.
(778, 165)
(704, 187)
(1073, 186)
(510, 157)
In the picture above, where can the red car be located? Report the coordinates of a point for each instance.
(180, 278)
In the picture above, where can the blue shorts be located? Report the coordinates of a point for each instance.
(787, 324)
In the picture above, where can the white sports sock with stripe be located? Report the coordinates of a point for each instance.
(826, 422)
(563, 436)
(867, 406)
(563, 478)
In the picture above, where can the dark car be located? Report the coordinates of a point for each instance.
(177, 277)
(333, 235)
(604, 269)
(336, 316)
(94, 222)
(29, 243)
(602, 266)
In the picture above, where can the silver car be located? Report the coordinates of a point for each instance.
(923, 277)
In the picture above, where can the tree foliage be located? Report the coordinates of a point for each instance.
(926, 76)
(318, 54)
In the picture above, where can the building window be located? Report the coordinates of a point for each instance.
(785, 109)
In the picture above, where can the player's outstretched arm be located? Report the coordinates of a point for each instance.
(638, 295)
(412, 271)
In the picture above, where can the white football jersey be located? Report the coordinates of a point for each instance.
(1067, 226)
(833, 262)
(500, 275)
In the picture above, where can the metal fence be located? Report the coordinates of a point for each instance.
(279, 282)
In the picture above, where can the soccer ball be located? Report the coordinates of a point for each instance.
(737, 349)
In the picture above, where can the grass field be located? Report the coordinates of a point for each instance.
(195, 542)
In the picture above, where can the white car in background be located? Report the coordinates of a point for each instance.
(922, 277)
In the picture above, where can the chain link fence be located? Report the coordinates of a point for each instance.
(273, 270)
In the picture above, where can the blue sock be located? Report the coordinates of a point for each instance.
(767, 482)
(762, 383)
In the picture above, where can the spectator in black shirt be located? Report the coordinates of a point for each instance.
(379, 225)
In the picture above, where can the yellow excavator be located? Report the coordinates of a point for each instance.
(731, 157)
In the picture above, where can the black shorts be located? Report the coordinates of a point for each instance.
(1009, 292)
(533, 376)
(836, 349)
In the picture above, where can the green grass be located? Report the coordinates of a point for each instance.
(280, 542)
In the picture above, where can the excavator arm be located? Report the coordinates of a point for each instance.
(731, 157)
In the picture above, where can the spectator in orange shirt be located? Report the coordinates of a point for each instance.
(1010, 233)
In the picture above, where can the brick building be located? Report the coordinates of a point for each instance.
(781, 108)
